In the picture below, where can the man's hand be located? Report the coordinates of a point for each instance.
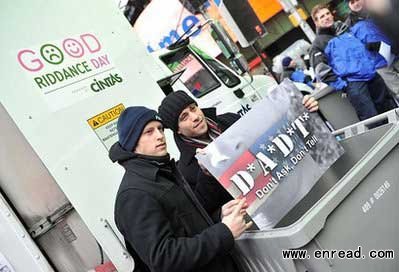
(235, 220)
(229, 207)
(310, 103)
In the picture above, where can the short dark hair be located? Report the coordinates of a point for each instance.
(317, 8)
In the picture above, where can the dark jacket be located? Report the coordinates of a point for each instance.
(164, 226)
(354, 17)
(211, 194)
(318, 59)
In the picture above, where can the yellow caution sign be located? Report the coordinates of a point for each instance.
(105, 117)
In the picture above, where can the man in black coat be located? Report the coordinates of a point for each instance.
(164, 226)
(194, 129)
(327, 29)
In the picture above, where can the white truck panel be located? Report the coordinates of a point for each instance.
(57, 127)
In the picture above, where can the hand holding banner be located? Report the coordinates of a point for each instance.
(273, 155)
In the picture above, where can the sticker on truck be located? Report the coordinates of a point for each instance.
(68, 70)
(104, 125)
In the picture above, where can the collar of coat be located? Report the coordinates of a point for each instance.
(355, 17)
(189, 154)
(149, 169)
(326, 31)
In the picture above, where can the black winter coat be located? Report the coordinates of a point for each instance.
(211, 194)
(164, 226)
(354, 17)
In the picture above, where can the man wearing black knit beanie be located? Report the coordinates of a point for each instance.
(194, 129)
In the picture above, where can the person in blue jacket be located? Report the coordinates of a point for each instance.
(364, 28)
(293, 72)
(385, 13)
(350, 66)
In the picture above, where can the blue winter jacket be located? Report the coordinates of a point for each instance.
(350, 59)
(368, 32)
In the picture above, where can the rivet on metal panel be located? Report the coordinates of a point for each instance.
(8, 214)
(37, 257)
(126, 255)
(23, 235)
(66, 168)
(30, 117)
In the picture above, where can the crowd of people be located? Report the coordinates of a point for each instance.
(355, 56)
(177, 217)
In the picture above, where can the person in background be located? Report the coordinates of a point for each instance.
(193, 130)
(364, 28)
(293, 72)
(164, 226)
(357, 12)
(385, 13)
(327, 28)
(342, 61)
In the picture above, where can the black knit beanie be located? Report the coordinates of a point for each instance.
(172, 106)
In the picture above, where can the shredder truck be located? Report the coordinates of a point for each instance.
(68, 69)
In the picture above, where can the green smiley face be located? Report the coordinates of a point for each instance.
(51, 54)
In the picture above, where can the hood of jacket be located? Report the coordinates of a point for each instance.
(118, 154)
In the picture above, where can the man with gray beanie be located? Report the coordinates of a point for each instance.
(164, 226)
(194, 129)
